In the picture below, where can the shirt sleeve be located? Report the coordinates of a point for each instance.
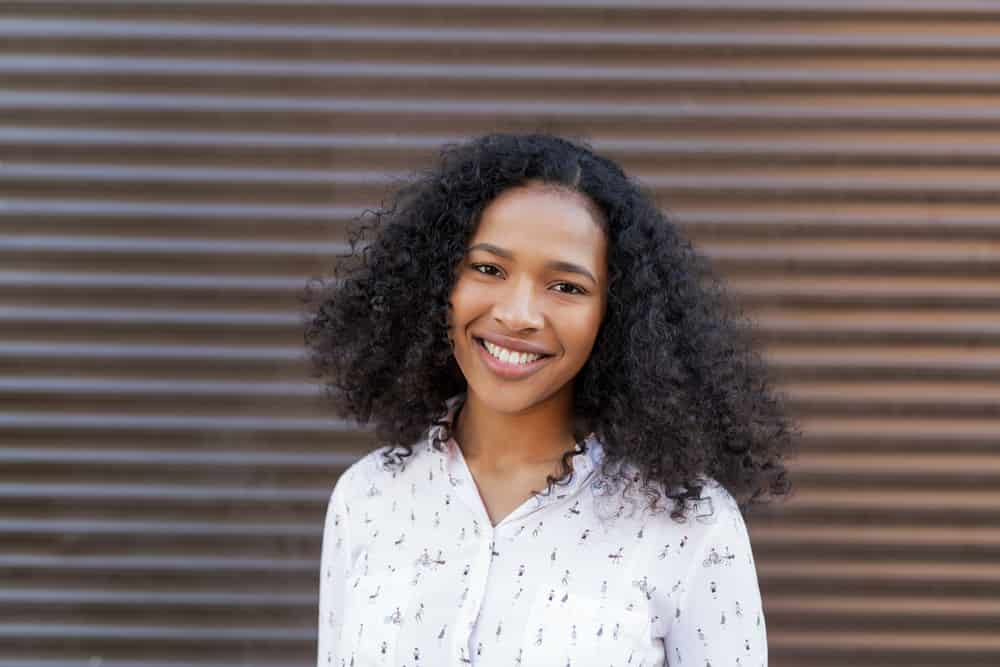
(335, 563)
(721, 618)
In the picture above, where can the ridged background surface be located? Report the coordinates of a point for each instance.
(172, 172)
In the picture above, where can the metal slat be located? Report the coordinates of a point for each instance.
(190, 564)
(151, 491)
(400, 36)
(751, 114)
(151, 457)
(206, 530)
(949, 183)
(42, 421)
(160, 598)
(75, 68)
(120, 633)
(73, 662)
(898, 8)
(776, 149)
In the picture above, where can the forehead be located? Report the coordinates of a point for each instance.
(542, 221)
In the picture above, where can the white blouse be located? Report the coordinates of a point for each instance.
(413, 573)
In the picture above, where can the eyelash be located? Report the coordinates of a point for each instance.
(579, 290)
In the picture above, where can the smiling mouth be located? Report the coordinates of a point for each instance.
(482, 344)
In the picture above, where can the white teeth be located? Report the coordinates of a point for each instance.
(509, 356)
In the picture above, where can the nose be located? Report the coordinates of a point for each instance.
(517, 308)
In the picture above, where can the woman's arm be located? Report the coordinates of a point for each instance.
(335, 563)
(721, 619)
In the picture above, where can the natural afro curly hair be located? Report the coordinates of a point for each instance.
(673, 388)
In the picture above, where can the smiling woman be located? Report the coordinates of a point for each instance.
(572, 424)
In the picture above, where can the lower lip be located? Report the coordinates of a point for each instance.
(509, 370)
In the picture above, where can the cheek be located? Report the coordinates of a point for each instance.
(583, 331)
(464, 302)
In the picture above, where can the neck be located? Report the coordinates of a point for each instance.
(504, 442)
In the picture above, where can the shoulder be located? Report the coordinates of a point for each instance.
(724, 537)
(713, 533)
(715, 504)
(713, 513)
(720, 516)
(376, 471)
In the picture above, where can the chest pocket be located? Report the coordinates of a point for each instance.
(375, 613)
(583, 631)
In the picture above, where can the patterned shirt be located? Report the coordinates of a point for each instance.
(414, 573)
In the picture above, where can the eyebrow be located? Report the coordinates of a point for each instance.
(555, 264)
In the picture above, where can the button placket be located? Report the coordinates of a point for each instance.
(489, 540)
(472, 605)
(484, 534)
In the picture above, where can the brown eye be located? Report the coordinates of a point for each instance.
(478, 267)
(578, 290)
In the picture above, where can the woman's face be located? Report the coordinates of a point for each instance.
(533, 281)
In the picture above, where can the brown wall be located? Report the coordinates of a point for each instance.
(173, 171)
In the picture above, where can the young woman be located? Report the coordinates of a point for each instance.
(572, 421)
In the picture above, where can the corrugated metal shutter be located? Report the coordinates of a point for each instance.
(173, 171)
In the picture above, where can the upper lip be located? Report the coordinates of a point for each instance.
(514, 343)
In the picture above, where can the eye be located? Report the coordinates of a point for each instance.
(578, 290)
(478, 268)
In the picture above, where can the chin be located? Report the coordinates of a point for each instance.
(506, 401)
(510, 399)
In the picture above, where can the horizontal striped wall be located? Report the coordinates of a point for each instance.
(172, 172)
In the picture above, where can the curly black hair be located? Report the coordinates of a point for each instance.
(674, 388)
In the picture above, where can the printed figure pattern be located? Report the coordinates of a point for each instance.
(414, 573)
